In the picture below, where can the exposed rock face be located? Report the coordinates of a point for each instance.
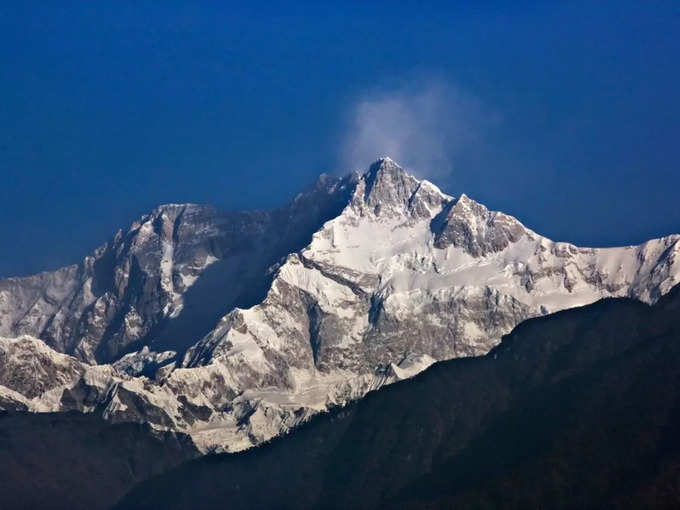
(471, 226)
(275, 316)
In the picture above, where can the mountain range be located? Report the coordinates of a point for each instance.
(234, 327)
(579, 409)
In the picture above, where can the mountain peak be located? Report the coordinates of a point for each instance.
(382, 167)
(386, 184)
(173, 210)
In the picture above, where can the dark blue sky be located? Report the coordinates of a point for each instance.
(566, 116)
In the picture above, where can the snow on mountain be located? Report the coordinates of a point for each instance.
(236, 327)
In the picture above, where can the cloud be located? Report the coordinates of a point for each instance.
(425, 128)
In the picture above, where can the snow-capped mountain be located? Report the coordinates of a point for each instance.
(147, 286)
(234, 327)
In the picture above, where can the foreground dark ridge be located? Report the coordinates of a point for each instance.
(577, 409)
(76, 461)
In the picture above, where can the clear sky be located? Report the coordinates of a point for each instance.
(565, 115)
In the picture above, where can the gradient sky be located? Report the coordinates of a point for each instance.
(566, 116)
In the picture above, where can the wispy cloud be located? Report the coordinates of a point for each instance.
(425, 128)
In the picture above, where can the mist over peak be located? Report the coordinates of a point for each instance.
(423, 126)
